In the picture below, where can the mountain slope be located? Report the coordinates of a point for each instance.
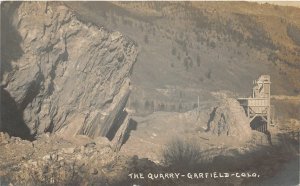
(211, 45)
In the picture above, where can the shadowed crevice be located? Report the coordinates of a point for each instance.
(12, 118)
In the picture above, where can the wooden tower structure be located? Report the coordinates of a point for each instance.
(259, 105)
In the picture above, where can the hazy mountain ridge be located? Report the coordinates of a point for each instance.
(211, 45)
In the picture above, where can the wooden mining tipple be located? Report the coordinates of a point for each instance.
(258, 107)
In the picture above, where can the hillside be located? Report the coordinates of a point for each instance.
(214, 46)
(100, 93)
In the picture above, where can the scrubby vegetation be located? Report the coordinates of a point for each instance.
(182, 154)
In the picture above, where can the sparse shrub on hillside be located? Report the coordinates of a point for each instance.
(201, 79)
(141, 27)
(195, 105)
(198, 38)
(181, 35)
(186, 64)
(163, 106)
(104, 16)
(113, 19)
(153, 31)
(212, 44)
(294, 33)
(272, 56)
(181, 154)
(130, 23)
(178, 57)
(146, 105)
(152, 105)
(182, 43)
(172, 108)
(186, 52)
(126, 21)
(276, 7)
(208, 74)
(135, 104)
(174, 51)
(180, 107)
(191, 64)
(168, 30)
(146, 39)
(259, 37)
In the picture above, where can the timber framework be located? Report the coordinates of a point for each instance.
(258, 107)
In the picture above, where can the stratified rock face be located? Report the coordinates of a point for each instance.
(69, 74)
(229, 119)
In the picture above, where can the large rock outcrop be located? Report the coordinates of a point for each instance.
(229, 119)
(64, 75)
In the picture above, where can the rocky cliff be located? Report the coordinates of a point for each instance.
(60, 73)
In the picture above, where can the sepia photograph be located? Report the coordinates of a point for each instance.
(150, 93)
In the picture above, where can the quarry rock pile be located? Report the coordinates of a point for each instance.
(53, 160)
(229, 119)
(60, 73)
